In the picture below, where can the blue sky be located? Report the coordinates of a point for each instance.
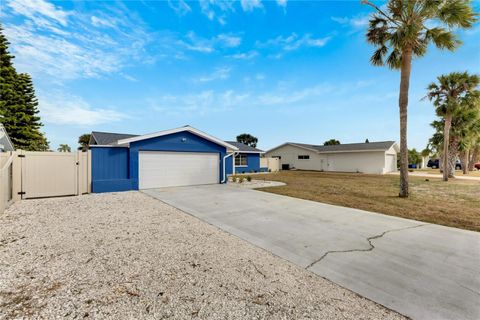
(280, 70)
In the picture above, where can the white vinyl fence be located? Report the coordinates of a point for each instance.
(30, 174)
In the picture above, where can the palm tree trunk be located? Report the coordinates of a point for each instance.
(446, 142)
(406, 69)
(453, 155)
(464, 161)
(474, 157)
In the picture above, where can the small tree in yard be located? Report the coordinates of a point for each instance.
(404, 30)
(247, 139)
(414, 157)
(331, 142)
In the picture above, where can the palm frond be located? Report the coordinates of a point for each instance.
(457, 13)
(394, 60)
(378, 56)
(442, 38)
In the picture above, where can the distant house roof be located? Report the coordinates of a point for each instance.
(347, 147)
(108, 138)
(5, 142)
(244, 148)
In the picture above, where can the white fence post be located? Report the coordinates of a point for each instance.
(17, 174)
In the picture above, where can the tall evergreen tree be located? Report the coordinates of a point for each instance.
(18, 104)
(9, 97)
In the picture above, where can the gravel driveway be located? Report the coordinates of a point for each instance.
(126, 255)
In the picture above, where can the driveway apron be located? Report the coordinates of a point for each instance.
(421, 270)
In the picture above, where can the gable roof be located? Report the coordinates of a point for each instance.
(5, 142)
(347, 147)
(117, 139)
(244, 148)
(107, 138)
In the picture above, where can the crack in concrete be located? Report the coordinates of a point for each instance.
(369, 239)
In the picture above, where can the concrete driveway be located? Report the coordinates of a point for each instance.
(421, 270)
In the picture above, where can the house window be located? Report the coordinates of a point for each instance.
(303, 157)
(241, 160)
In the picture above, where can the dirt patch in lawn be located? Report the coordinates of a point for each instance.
(129, 256)
(455, 203)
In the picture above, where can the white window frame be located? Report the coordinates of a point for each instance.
(240, 157)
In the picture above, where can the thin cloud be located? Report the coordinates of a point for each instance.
(65, 109)
(250, 5)
(217, 9)
(244, 55)
(229, 40)
(294, 42)
(218, 74)
(200, 103)
(211, 101)
(193, 42)
(65, 45)
(180, 7)
(34, 9)
(355, 24)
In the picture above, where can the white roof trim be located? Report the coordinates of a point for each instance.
(291, 144)
(240, 151)
(176, 130)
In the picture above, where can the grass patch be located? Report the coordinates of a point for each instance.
(455, 203)
(458, 173)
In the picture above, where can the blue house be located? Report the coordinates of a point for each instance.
(177, 157)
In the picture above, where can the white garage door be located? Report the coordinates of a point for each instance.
(391, 163)
(171, 169)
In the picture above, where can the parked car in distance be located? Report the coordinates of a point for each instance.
(435, 164)
(458, 165)
(477, 165)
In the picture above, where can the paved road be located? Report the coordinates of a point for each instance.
(421, 270)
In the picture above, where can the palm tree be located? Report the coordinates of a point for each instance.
(84, 141)
(452, 94)
(468, 129)
(64, 148)
(401, 32)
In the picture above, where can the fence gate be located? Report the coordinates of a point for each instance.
(50, 174)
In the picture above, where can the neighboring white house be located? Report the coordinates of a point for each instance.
(5, 143)
(372, 157)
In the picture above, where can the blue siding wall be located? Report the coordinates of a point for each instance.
(181, 141)
(228, 165)
(253, 164)
(110, 169)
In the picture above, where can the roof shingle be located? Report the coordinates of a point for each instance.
(243, 147)
(380, 145)
(106, 138)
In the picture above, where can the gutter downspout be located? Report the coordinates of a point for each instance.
(224, 174)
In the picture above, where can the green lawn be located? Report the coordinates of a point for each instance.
(455, 203)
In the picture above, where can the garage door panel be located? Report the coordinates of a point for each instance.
(167, 169)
